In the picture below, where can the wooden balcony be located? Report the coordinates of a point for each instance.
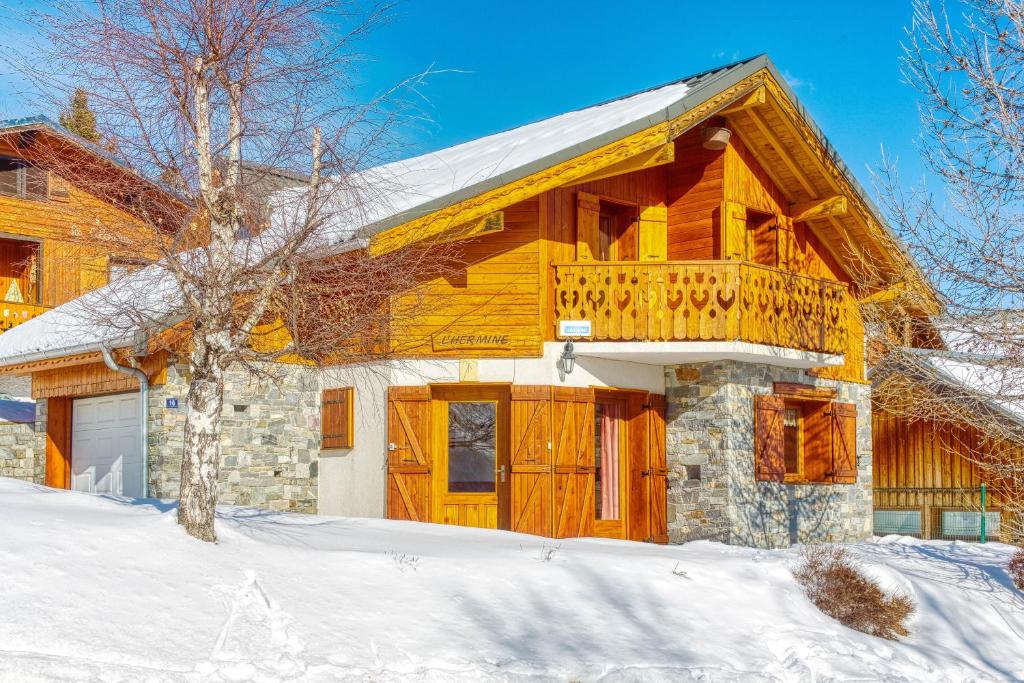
(12, 314)
(703, 301)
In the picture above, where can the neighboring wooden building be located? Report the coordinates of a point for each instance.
(930, 464)
(693, 241)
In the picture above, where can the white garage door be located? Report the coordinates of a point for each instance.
(105, 452)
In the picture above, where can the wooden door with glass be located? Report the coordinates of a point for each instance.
(471, 481)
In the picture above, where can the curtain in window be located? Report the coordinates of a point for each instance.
(610, 462)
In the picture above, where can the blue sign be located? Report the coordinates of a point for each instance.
(172, 403)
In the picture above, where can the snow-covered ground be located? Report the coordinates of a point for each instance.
(94, 588)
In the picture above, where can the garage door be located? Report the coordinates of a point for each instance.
(105, 452)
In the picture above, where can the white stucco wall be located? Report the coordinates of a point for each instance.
(352, 481)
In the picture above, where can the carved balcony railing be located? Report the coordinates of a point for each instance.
(703, 301)
(12, 314)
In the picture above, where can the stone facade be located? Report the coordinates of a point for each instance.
(271, 438)
(710, 450)
(22, 452)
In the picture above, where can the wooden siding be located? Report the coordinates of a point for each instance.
(94, 378)
(924, 454)
(496, 295)
(694, 197)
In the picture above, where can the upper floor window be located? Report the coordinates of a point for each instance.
(605, 230)
(19, 178)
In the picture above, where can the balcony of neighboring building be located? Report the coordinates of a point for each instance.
(20, 281)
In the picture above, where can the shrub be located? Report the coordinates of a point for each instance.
(837, 586)
(1016, 569)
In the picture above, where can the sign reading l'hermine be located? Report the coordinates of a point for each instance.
(449, 341)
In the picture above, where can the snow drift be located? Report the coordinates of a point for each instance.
(99, 588)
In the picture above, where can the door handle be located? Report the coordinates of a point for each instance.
(501, 471)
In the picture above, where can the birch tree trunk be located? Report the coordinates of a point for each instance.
(201, 455)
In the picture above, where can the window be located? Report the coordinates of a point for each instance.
(617, 232)
(21, 179)
(336, 418)
(472, 446)
(792, 436)
(606, 230)
(606, 461)
(801, 435)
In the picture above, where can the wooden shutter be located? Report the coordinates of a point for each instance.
(653, 233)
(336, 413)
(588, 219)
(572, 417)
(734, 231)
(817, 441)
(844, 443)
(769, 456)
(658, 468)
(531, 460)
(408, 453)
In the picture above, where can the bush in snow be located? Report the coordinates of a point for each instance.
(837, 586)
(1016, 569)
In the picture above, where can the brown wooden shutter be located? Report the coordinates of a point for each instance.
(653, 233)
(658, 468)
(769, 456)
(817, 441)
(336, 415)
(638, 510)
(844, 443)
(531, 460)
(409, 453)
(572, 418)
(588, 220)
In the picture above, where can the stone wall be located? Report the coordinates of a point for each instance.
(21, 452)
(713, 493)
(271, 443)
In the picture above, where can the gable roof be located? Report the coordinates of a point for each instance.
(418, 187)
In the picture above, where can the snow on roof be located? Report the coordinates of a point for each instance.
(402, 190)
(112, 316)
(982, 378)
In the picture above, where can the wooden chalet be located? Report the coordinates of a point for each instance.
(694, 242)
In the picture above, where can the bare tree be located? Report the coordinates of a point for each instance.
(244, 110)
(965, 227)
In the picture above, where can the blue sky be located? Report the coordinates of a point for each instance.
(511, 63)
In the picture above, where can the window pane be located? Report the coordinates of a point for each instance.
(472, 447)
(9, 177)
(791, 440)
(37, 183)
(606, 461)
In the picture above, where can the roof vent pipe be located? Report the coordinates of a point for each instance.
(143, 410)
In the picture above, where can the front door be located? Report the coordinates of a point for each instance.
(471, 487)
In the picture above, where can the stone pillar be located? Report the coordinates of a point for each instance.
(710, 449)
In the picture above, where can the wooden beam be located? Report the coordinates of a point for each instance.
(780, 149)
(754, 99)
(658, 156)
(819, 208)
(885, 295)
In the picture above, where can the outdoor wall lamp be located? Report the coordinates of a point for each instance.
(568, 358)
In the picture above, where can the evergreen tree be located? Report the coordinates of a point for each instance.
(79, 119)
